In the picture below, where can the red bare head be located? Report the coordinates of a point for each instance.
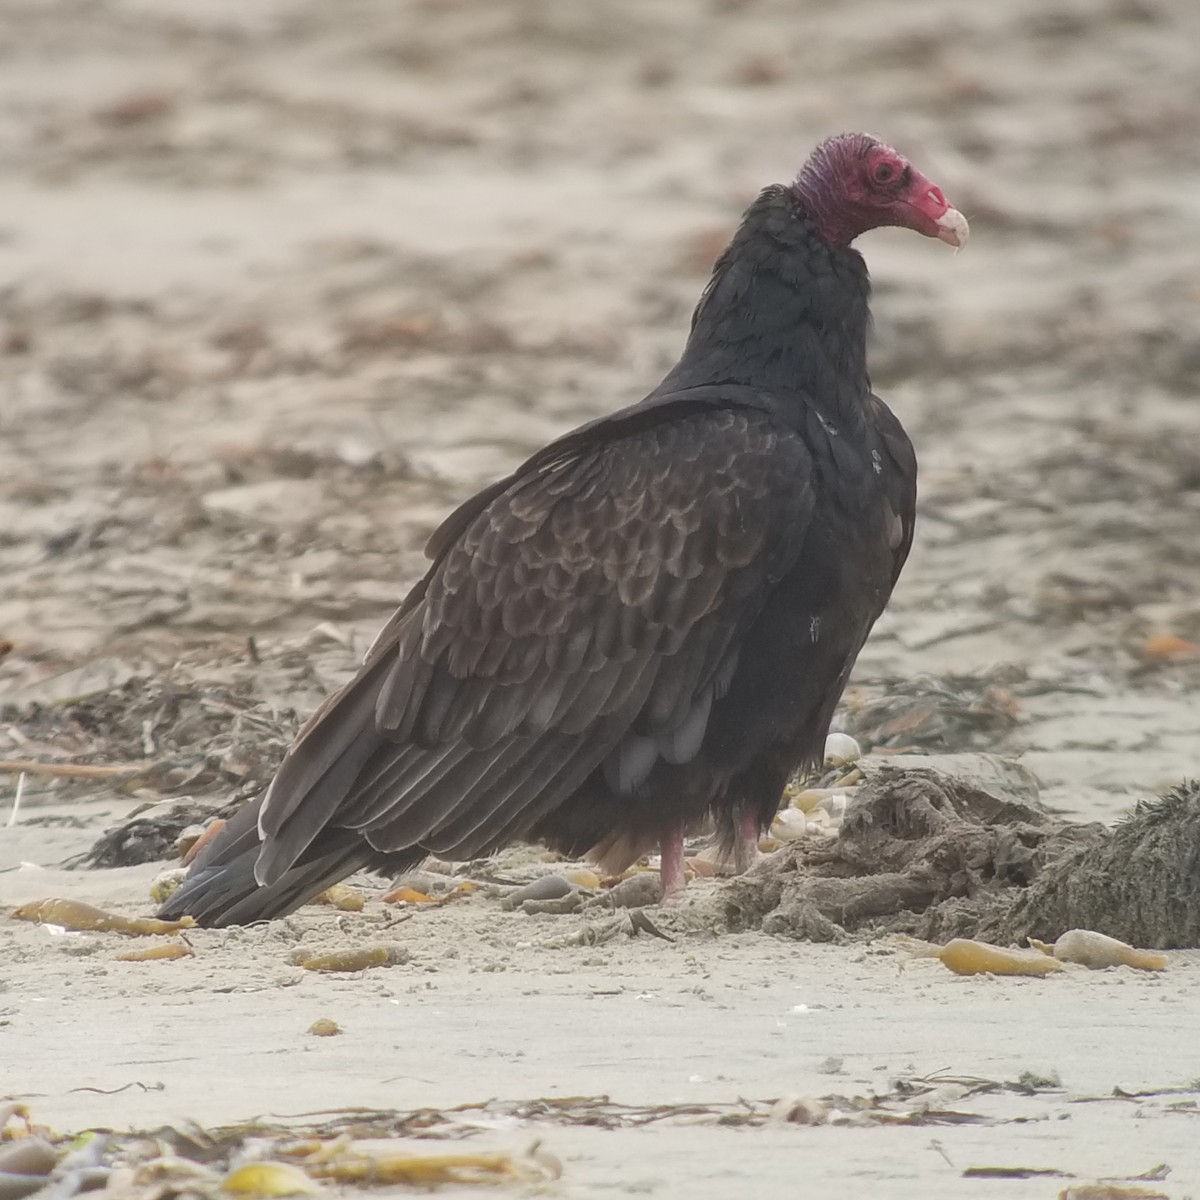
(854, 182)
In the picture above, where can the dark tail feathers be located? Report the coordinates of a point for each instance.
(220, 888)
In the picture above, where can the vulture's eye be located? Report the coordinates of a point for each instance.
(884, 173)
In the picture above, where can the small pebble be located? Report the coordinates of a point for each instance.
(638, 891)
(549, 887)
(30, 1156)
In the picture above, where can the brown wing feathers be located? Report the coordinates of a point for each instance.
(586, 613)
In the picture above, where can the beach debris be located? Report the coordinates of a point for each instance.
(629, 923)
(582, 877)
(636, 891)
(1164, 648)
(166, 883)
(808, 799)
(918, 851)
(841, 750)
(136, 107)
(821, 797)
(29, 1156)
(573, 901)
(343, 897)
(1004, 778)
(14, 1120)
(187, 839)
(964, 956)
(949, 846)
(1138, 881)
(799, 1110)
(16, 1186)
(562, 890)
(164, 1175)
(932, 712)
(324, 1027)
(384, 1165)
(178, 949)
(361, 959)
(193, 846)
(154, 833)
(817, 803)
(31, 1164)
(789, 825)
(63, 770)
(407, 895)
(79, 917)
(25, 1167)
(367, 1147)
(1016, 1173)
(194, 747)
(547, 887)
(1097, 951)
(832, 808)
(429, 882)
(269, 1179)
(404, 894)
(1111, 1191)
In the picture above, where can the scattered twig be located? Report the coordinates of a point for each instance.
(20, 766)
(137, 1083)
(936, 1145)
(16, 808)
(1016, 1173)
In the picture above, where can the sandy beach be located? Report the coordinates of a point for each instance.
(280, 284)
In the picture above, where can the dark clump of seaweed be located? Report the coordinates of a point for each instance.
(929, 854)
(1141, 883)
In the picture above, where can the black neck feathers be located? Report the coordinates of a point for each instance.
(784, 311)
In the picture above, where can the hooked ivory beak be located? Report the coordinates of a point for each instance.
(953, 228)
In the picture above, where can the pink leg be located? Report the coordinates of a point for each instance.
(671, 869)
(745, 849)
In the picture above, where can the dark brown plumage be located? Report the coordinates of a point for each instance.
(649, 622)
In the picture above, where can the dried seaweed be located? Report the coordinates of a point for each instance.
(209, 744)
(940, 857)
(920, 852)
(1140, 883)
(282, 1153)
(932, 712)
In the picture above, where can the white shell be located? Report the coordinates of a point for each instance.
(790, 825)
(822, 824)
(840, 749)
(810, 799)
(835, 804)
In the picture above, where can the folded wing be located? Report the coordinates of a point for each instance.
(585, 617)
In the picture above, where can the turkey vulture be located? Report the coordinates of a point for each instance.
(650, 621)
